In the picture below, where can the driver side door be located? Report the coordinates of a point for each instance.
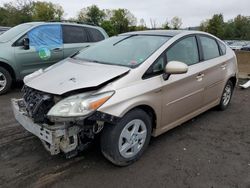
(183, 93)
(44, 50)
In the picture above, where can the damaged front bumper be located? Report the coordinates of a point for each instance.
(55, 138)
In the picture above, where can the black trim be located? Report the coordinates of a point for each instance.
(200, 50)
(101, 116)
(149, 73)
(220, 50)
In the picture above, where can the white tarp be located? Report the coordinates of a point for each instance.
(246, 85)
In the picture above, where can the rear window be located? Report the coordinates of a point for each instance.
(74, 34)
(222, 47)
(95, 34)
(210, 47)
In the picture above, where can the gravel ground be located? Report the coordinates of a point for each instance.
(212, 150)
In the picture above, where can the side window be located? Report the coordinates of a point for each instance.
(19, 42)
(156, 68)
(158, 65)
(222, 47)
(209, 47)
(185, 51)
(95, 34)
(49, 36)
(74, 34)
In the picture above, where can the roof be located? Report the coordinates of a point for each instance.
(64, 23)
(170, 33)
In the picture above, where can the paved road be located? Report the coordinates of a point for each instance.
(212, 150)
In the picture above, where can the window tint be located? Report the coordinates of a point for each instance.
(222, 47)
(95, 34)
(209, 47)
(185, 51)
(74, 34)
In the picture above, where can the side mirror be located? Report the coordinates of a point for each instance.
(174, 67)
(26, 43)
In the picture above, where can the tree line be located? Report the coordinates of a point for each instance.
(116, 21)
(234, 29)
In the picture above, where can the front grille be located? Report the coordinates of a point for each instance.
(38, 104)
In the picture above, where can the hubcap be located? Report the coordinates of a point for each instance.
(132, 138)
(227, 95)
(3, 81)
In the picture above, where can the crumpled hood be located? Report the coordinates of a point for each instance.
(71, 74)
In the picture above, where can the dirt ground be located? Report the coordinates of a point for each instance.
(210, 151)
(243, 58)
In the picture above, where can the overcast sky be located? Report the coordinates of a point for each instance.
(192, 12)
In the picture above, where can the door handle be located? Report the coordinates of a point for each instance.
(223, 66)
(158, 90)
(57, 50)
(200, 76)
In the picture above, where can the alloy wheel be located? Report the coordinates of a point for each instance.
(3, 81)
(132, 138)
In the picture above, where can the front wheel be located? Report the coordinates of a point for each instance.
(5, 80)
(124, 143)
(226, 95)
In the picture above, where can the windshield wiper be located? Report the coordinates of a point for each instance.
(76, 53)
(124, 39)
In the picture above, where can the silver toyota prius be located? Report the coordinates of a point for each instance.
(126, 89)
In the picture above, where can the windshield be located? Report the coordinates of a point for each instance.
(13, 32)
(126, 50)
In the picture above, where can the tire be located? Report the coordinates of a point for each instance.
(123, 149)
(226, 96)
(5, 80)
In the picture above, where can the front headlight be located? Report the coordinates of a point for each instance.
(79, 105)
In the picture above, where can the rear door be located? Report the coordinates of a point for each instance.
(215, 66)
(75, 38)
(183, 94)
(46, 48)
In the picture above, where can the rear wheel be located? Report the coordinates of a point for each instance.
(124, 143)
(5, 80)
(226, 95)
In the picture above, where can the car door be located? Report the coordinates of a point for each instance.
(75, 38)
(45, 48)
(215, 67)
(182, 94)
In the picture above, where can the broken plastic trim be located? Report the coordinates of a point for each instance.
(101, 116)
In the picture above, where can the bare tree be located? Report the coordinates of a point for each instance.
(176, 22)
(153, 23)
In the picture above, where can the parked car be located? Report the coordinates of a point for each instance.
(246, 48)
(237, 45)
(126, 89)
(35, 45)
(3, 29)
